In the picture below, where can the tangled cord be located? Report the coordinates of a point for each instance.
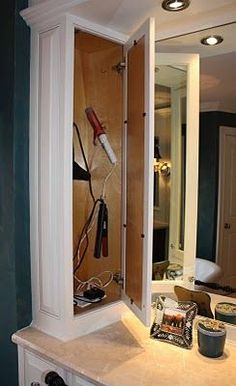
(94, 281)
(88, 226)
(78, 258)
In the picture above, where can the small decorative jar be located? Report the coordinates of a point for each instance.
(226, 312)
(174, 271)
(211, 337)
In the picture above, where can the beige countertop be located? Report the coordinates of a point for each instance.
(122, 354)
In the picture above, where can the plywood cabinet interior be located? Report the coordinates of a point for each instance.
(97, 84)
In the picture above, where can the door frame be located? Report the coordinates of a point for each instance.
(175, 253)
(223, 130)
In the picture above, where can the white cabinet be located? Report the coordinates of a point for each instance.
(72, 68)
(33, 370)
(56, 56)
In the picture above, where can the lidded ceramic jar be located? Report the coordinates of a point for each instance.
(211, 337)
(174, 271)
(226, 312)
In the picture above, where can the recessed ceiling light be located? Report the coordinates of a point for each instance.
(175, 5)
(212, 40)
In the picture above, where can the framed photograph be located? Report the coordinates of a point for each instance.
(173, 322)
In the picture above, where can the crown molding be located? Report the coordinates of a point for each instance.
(50, 13)
(51, 9)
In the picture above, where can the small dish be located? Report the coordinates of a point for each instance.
(226, 312)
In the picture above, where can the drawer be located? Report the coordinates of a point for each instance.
(35, 370)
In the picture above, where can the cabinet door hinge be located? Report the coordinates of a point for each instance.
(120, 67)
(118, 278)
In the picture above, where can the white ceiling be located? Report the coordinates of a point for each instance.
(218, 82)
(192, 42)
(170, 76)
(217, 65)
(126, 15)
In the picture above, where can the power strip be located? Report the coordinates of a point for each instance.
(84, 302)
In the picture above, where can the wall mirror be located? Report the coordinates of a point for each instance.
(169, 170)
(216, 246)
(175, 168)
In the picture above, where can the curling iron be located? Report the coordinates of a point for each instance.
(100, 134)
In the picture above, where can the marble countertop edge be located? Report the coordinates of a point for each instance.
(55, 359)
(123, 354)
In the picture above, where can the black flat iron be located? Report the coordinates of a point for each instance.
(78, 172)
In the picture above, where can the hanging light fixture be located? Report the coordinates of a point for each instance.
(212, 40)
(175, 5)
(162, 167)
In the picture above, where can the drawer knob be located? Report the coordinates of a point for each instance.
(54, 379)
(35, 384)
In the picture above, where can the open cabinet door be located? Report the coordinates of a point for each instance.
(139, 148)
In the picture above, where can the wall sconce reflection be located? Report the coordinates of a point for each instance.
(162, 167)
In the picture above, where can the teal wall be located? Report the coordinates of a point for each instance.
(208, 180)
(15, 292)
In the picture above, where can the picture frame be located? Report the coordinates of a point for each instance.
(173, 322)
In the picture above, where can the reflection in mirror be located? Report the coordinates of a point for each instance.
(169, 171)
(216, 241)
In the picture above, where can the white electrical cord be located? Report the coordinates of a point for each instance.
(87, 233)
(106, 179)
(94, 281)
